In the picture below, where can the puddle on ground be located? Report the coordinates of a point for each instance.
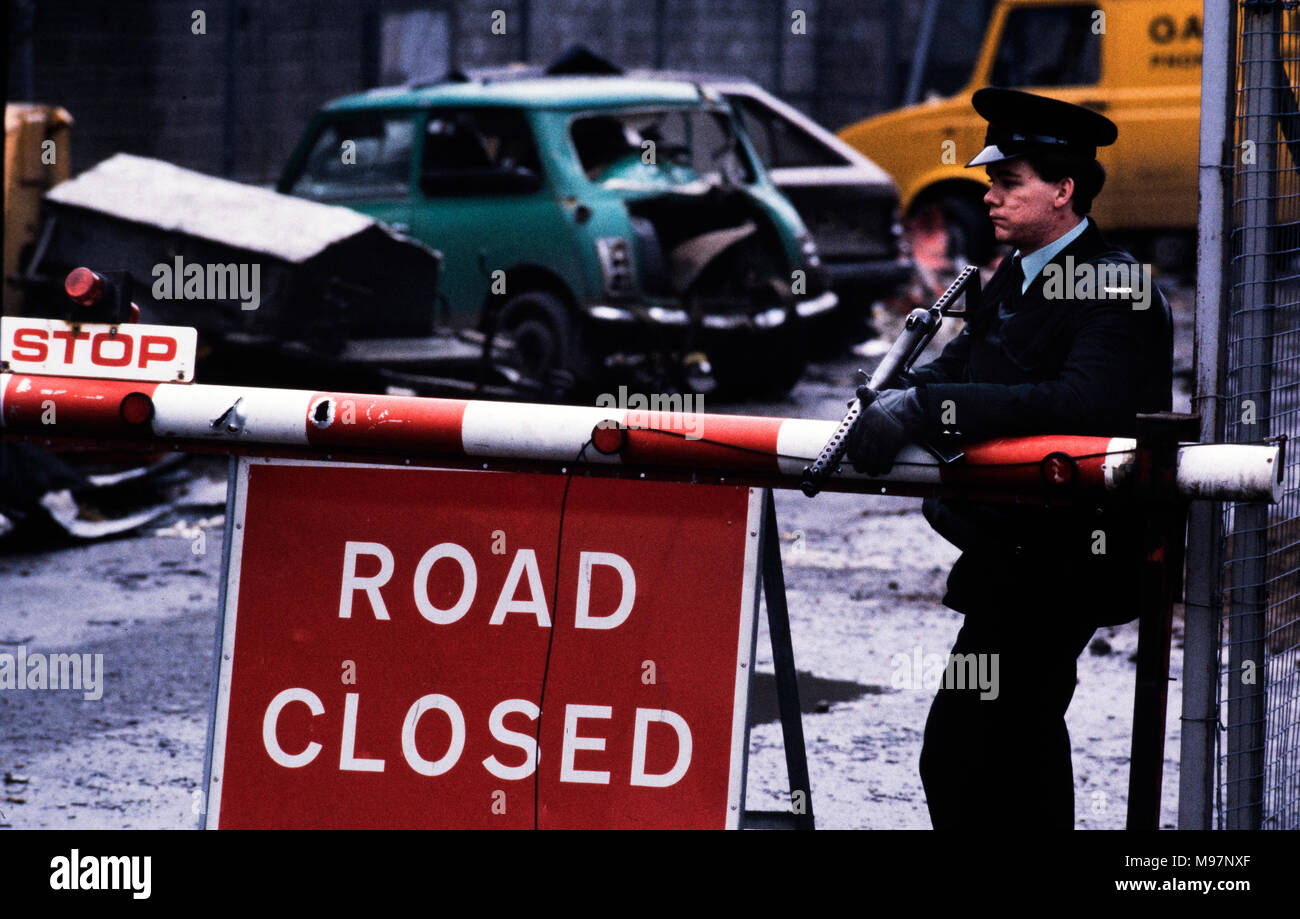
(816, 694)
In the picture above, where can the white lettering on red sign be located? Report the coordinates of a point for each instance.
(118, 352)
(387, 663)
(574, 742)
(525, 562)
(525, 742)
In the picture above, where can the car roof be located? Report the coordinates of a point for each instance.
(730, 85)
(562, 92)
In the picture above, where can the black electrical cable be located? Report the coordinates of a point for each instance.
(550, 641)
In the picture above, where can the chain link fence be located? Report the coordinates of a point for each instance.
(1258, 750)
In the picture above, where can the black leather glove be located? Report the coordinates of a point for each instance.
(900, 380)
(889, 420)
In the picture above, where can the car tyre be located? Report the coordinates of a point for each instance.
(767, 368)
(545, 347)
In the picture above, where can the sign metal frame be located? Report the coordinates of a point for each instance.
(760, 552)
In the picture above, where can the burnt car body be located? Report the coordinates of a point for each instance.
(848, 203)
(588, 216)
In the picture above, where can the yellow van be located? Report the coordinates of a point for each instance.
(1136, 61)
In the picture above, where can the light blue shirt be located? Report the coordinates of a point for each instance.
(1037, 260)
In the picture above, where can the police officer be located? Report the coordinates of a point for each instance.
(1070, 338)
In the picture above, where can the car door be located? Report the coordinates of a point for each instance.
(481, 200)
(361, 160)
(848, 207)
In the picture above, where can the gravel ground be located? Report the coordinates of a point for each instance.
(863, 575)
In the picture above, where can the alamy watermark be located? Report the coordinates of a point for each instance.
(1087, 281)
(23, 671)
(951, 671)
(212, 281)
(658, 411)
(75, 871)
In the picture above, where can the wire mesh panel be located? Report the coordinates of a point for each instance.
(1259, 750)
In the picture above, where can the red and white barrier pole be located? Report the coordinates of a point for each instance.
(775, 450)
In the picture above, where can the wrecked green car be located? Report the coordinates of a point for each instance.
(595, 219)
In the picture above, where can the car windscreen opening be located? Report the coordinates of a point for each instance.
(668, 146)
(360, 157)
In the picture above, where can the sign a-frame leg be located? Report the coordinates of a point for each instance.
(800, 815)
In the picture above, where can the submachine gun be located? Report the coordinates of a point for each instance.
(919, 328)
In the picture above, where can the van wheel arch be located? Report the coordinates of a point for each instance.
(960, 206)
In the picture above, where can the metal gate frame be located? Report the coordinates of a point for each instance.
(1239, 716)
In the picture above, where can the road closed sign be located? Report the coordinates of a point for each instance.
(410, 648)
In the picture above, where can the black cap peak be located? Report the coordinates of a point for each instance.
(1021, 122)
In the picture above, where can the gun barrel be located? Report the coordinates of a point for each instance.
(918, 329)
(815, 476)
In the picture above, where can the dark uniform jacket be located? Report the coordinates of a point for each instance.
(1083, 363)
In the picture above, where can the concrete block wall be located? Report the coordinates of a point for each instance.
(138, 79)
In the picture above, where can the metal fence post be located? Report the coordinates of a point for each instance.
(1202, 601)
(1248, 592)
(1164, 530)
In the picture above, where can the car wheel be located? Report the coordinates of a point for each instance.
(545, 355)
(766, 369)
(834, 334)
(538, 347)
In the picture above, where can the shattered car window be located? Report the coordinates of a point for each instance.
(478, 151)
(362, 157)
(663, 147)
(779, 143)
